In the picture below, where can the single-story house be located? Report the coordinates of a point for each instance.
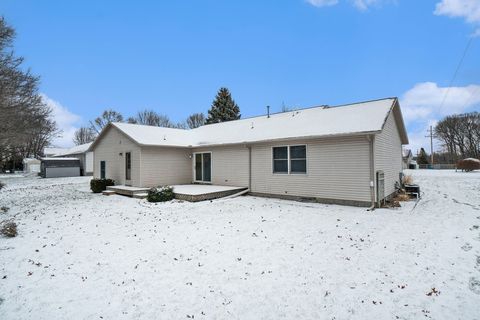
(31, 165)
(349, 154)
(81, 153)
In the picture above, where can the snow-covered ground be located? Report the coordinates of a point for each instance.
(80, 255)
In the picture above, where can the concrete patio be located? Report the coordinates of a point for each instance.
(187, 192)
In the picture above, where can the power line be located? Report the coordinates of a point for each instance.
(472, 95)
(456, 71)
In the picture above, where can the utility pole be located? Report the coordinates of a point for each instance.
(430, 131)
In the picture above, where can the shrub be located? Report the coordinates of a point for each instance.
(468, 164)
(99, 185)
(160, 194)
(9, 229)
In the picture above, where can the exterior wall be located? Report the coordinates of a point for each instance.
(81, 157)
(230, 165)
(388, 154)
(337, 169)
(88, 168)
(165, 166)
(108, 149)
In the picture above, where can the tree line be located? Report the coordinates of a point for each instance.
(460, 136)
(26, 124)
(223, 108)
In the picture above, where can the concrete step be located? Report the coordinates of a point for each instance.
(141, 195)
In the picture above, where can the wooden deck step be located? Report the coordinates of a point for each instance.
(108, 192)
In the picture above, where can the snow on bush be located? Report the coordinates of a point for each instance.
(99, 185)
(8, 229)
(468, 164)
(161, 194)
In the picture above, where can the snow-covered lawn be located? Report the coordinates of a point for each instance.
(80, 255)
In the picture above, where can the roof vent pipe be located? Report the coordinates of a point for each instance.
(268, 111)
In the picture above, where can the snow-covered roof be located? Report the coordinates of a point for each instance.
(31, 160)
(59, 159)
(75, 150)
(157, 136)
(51, 151)
(359, 118)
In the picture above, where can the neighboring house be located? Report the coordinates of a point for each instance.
(407, 158)
(59, 167)
(342, 154)
(81, 153)
(31, 165)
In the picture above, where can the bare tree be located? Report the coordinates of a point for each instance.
(83, 135)
(26, 124)
(107, 116)
(152, 118)
(132, 120)
(460, 135)
(195, 120)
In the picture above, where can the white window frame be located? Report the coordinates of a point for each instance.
(289, 171)
(195, 169)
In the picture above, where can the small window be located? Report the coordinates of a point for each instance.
(102, 170)
(280, 160)
(298, 159)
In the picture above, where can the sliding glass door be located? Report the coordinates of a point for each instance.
(203, 167)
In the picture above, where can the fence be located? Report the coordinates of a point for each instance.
(438, 166)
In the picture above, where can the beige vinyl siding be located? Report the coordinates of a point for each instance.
(336, 169)
(388, 153)
(166, 166)
(81, 157)
(108, 149)
(230, 165)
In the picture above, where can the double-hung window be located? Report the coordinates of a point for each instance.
(280, 160)
(290, 159)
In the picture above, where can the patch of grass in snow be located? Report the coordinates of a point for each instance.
(2, 185)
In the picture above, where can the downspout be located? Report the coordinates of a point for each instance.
(371, 140)
(249, 168)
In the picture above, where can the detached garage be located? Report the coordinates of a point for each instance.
(60, 167)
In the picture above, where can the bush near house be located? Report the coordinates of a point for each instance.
(160, 194)
(468, 164)
(99, 185)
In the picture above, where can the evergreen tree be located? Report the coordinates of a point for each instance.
(223, 108)
(422, 157)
